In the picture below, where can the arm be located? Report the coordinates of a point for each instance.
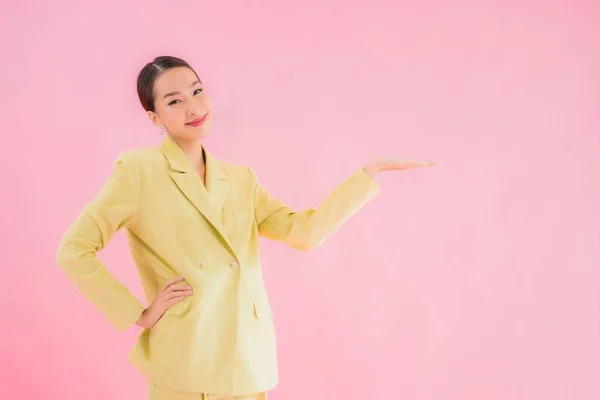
(114, 207)
(308, 229)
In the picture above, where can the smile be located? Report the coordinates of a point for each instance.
(198, 122)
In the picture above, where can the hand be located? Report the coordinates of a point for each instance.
(382, 164)
(170, 295)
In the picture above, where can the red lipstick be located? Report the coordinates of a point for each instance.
(198, 122)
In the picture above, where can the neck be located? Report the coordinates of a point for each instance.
(194, 153)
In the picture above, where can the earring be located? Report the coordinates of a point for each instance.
(162, 130)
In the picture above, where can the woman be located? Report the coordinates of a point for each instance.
(193, 224)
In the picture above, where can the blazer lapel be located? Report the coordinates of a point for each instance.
(217, 183)
(208, 199)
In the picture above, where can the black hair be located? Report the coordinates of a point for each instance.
(151, 71)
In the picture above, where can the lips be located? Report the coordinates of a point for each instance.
(198, 121)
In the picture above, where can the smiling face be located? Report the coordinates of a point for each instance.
(181, 105)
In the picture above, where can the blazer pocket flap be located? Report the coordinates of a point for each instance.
(228, 207)
(262, 309)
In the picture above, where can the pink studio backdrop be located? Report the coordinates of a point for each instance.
(477, 279)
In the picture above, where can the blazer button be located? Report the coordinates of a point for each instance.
(234, 265)
(200, 263)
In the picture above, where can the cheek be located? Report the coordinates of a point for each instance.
(204, 102)
(172, 116)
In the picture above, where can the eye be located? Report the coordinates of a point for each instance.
(197, 91)
(173, 102)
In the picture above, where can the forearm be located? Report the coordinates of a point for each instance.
(308, 229)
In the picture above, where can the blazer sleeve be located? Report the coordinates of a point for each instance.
(308, 229)
(114, 207)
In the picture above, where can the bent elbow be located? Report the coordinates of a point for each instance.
(72, 256)
(63, 256)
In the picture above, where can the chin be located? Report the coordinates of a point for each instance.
(203, 132)
(197, 133)
(204, 135)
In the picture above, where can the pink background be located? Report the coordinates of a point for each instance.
(477, 279)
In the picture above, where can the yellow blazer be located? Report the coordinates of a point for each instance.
(220, 339)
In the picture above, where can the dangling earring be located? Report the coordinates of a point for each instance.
(162, 130)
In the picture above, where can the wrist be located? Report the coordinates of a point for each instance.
(143, 320)
(371, 170)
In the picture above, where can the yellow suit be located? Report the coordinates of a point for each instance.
(220, 339)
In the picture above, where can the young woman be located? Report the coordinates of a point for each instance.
(193, 224)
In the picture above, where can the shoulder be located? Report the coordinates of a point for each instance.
(138, 163)
(142, 160)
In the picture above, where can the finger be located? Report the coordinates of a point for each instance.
(170, 303)
(425, 163)
(179, 293)
(172, 281)
(174, 288)
(419, 164)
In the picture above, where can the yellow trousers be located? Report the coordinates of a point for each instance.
(156, 393)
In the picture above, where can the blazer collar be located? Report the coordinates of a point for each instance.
(178, 161)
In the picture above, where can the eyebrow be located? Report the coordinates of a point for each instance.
(177, 93)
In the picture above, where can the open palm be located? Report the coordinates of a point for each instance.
(386, 164)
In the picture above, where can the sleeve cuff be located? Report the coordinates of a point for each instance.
(368, 179)
(125, 318)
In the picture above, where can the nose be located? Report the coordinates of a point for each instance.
(197, 108)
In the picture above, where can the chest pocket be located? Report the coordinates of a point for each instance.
(238, 221)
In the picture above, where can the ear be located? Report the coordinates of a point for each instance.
(153, 118)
